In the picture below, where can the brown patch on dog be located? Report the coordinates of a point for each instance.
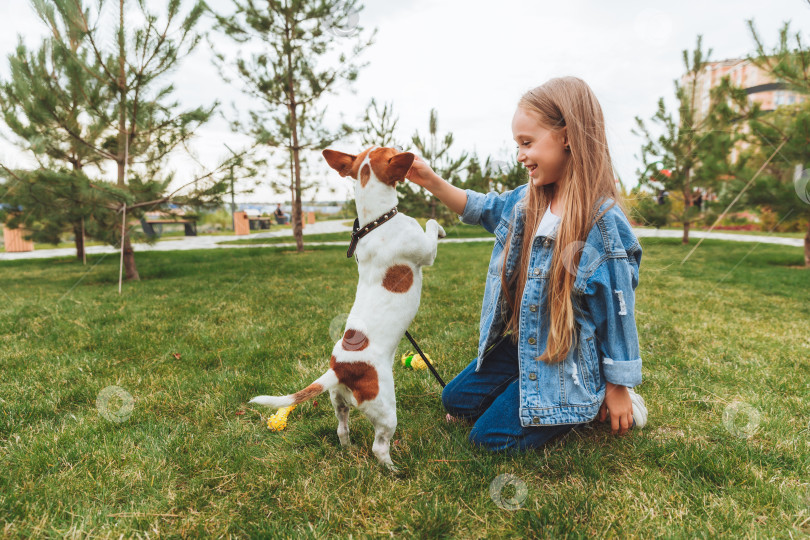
(365, 175)
(360, 377)
(309, 392)
(354, 340)
(389, 166)
(398, 278)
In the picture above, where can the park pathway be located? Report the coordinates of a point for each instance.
(340, 225)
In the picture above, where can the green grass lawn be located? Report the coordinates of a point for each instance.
(724, 333)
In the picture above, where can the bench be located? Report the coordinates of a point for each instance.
(256, 223)
(189, 226)
(244, 223)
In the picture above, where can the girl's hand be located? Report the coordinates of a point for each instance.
(420, 173)
(617, 402)
(451, 196)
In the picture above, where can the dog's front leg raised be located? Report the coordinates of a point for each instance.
(420, 246)
(433, 231)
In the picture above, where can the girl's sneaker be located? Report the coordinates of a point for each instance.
(639, 409)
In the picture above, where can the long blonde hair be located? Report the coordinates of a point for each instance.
(587, 178)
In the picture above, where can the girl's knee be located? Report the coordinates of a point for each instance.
(498, 439)
(478, 438)
(486, 440)
(457, 402)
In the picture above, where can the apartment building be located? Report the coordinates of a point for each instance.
(759, 84)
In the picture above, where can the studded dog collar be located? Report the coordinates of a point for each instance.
(358, 233)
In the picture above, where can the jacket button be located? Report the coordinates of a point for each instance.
(532, 376)
(547, 243)
(532, 341)
(535, 420)
(536, 271)
(533, 307)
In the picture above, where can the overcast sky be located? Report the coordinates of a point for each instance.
(472, 60)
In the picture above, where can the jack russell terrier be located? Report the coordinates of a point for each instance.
(390, 265)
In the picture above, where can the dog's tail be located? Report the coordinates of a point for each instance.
(322, 384)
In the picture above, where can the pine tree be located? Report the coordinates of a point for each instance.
(46, 201)
(437, 154)
(295, 39)
(784, 187)
(789, 65)
(379, 126)
(493, 175)
(694, 149)
(45, 85)
(141, 123)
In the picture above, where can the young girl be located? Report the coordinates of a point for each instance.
(558, 342)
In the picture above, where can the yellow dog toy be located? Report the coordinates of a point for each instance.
(414, 360)
(278, 421)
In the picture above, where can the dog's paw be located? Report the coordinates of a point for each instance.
(433, 224)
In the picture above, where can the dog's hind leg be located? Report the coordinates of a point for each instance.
(384, 418)
(342, 407)
(383, 432)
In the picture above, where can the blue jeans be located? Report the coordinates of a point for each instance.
(491, 399)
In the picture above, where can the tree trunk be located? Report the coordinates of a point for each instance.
(433, 127)
(298, 227)
(807, 247)
(687, 204)
(130, 270)
(298, 232)
(297, 213)
(121, 151)
(78, 226)
(78, 235)
(293, 218)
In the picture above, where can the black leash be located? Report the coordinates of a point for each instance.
(357, 234)
(429, 365)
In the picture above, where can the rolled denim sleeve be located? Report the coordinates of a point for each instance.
(484, 210)
(610, 295)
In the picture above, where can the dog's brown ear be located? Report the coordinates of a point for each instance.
(398, 166)
(339, 161)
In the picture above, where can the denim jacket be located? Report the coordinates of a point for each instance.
(606, 344)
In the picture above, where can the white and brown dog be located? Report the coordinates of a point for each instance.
(390, 262)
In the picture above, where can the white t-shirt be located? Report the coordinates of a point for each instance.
(548, 223)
